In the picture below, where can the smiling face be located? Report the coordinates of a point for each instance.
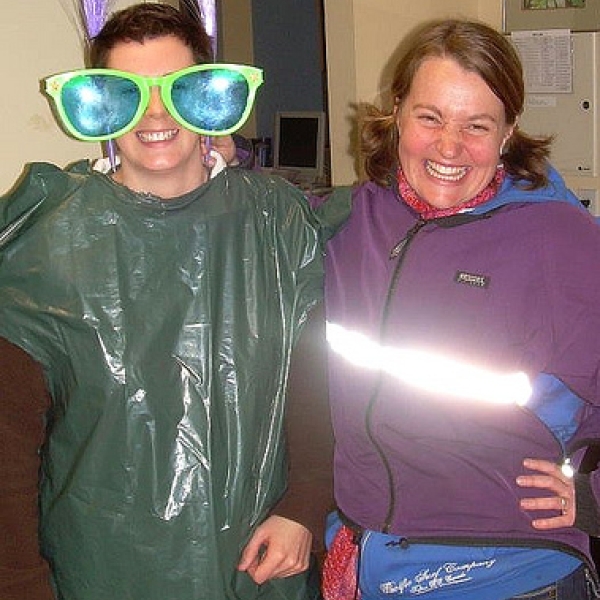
(452, 127)
(158, 156)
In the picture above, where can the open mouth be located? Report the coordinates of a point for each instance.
(444, 172)
(157, 136)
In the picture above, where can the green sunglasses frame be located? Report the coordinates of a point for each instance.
(54, 86)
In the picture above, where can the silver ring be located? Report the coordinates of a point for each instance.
(564, 505)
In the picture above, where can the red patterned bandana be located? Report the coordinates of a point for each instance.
(339, 570)
(408, 194)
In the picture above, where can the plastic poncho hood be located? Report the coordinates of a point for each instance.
(165, 331)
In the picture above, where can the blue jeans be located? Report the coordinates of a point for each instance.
(576, 586)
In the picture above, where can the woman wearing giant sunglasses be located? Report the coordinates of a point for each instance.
(157, 306)
(152, 101)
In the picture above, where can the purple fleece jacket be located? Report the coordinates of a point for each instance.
(515, 289)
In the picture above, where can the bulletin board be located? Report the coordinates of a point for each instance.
(576, 15)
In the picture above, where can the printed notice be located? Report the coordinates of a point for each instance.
(547, 60)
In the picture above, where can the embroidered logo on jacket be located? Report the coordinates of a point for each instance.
(472, 279)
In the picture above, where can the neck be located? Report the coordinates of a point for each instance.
(163, 184)
(427, 211)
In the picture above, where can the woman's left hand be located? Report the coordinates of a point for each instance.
(549, 477)
(279, 548)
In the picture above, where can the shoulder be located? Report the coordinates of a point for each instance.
(557, 224)
(373, 202)
(569, 229)
(562, 238)
(558, 215)
(265, 182)
(40, 187)
(269, 194)
(39, 180)
(370, 191)
(49, 171)
(555, 191)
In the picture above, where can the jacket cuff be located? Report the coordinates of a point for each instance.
(588, 513)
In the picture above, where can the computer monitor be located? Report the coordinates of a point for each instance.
(299, 146)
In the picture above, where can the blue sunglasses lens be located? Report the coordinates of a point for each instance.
(212, 100)
(99, 105)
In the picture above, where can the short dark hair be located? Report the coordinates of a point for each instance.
(147, 21)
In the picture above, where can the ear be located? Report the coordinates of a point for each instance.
(507, 137)
(510, 131)
(396, 115)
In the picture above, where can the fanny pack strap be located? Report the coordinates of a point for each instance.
(356, 529)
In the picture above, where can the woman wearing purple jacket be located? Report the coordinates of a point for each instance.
(463, 310)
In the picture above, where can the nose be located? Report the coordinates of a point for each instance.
(156, 108)
(450, 141)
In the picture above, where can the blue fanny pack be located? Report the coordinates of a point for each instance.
(390, 568)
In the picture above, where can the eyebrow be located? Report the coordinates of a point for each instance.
(476, 117)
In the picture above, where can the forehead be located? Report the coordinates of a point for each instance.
(444, 84)
(152, 57)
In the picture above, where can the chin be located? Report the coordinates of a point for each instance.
(444, 203)
(165, 164)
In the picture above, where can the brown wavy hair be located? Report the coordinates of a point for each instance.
(147, 21)
(479, 49)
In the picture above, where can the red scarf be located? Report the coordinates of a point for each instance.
(427, 211)
(339, 570)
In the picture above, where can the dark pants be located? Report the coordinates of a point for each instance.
(579, 585)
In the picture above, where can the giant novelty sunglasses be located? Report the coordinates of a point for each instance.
(96, 105)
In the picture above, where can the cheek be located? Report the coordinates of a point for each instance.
(414, 145)
(189, 136)
(190, 143)
(485, 154)
(125, 140)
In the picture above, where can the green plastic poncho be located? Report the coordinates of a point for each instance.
(165, 331)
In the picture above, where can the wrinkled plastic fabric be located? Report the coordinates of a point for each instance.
(165, 332)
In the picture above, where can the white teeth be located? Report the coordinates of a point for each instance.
(157, 136)
(445, 173)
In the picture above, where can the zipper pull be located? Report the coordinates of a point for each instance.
(401, 542)
(399, 247)
(567, 468)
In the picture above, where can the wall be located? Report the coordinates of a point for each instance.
(288, 46)
(39, 38)
(361, 36)
(236, 43)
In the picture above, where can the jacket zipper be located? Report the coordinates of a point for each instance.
(398, 252)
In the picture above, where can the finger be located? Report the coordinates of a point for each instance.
(552, 523)
(561, 487)
(563, 472)
(538, 503)
(251, 554)
(273, 565)
(564, 506)
(557, 503)
(543, 466)
(540, 481)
